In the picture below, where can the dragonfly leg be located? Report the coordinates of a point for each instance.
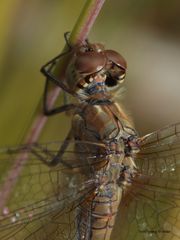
(46, 68)
(53, 111)
(42, 153)
(48, 157)
(47, 71)
(58, 157)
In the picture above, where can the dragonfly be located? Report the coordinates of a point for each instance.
(103, 181)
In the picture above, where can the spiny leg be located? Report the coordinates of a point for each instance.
(48, 157)
(53, 111)
(47, 72)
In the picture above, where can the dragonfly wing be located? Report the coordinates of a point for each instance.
(164, 136)
(160, 155)
(150, 209)
(43, 200)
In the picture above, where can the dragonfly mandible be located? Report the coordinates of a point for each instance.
(103, 173)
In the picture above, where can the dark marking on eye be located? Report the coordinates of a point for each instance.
(111, 82)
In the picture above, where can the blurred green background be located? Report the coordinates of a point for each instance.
(146, 33)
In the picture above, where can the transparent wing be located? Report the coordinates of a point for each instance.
(39, 199)
(150, 209)
(160, 154)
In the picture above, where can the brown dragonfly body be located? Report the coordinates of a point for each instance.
(91, 71)
(109, 125)
(74, 189)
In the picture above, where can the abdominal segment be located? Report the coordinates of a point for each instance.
(97, 216)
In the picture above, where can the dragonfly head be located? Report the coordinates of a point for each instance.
(93, 69)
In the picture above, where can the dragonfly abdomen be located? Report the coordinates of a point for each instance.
(96, 216)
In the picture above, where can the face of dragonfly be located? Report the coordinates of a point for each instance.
(41, 202)
(93, 69)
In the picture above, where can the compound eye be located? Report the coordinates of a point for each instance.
(115, 76)
(116, 58)
(122, 75)
(117, 73)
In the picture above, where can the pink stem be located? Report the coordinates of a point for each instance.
(93, 13)
(40, 120)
